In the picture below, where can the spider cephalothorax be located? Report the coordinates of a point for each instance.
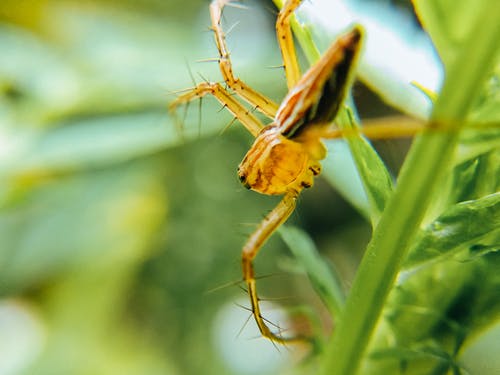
(275, 164)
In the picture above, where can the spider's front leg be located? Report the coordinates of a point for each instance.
(285, 41)
(223, 95)
(244, 115)
(270, 223)
(254, 98)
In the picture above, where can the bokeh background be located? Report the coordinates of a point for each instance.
(120, 236)
(114, 230)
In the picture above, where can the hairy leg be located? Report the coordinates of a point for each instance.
(285, 41)
(254, 243)
(257, 100)
(382, 128)
(223, 95)
(239, 111)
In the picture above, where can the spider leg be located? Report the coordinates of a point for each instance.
(285, 41)
(254, 98)
(391, 127)
(265, 229)
(384, 128)
(243, 114)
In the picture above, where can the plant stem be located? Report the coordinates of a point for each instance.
(427, 161)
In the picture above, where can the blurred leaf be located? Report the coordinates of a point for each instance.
(377, 182)
(87, 326)
(431, 358)
(57, 225)
(323, 278)
(356, 170)
(450, 22)
(57, 81)
(407, 57)
(487, 107)
(95, 142)
(340, 170)
(474, 142)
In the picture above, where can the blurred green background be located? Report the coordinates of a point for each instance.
(114, 229)
(117, 235)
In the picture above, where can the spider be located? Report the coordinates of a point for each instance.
(285, 156)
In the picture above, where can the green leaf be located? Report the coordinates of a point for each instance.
(424, 357)
(358, 172)
(339, 169)
(463, 226)
(474, 142)
(487, 108)
(449, 24)
(424, 168)
(323, 278)
(476, 177)
(53, 226)
(99, 141)
(455, 309)
(377, 182)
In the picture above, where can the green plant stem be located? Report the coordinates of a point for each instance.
(427, 161)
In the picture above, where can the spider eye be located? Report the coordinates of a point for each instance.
(243, 180)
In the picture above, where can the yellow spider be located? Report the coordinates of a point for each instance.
(286, 154)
